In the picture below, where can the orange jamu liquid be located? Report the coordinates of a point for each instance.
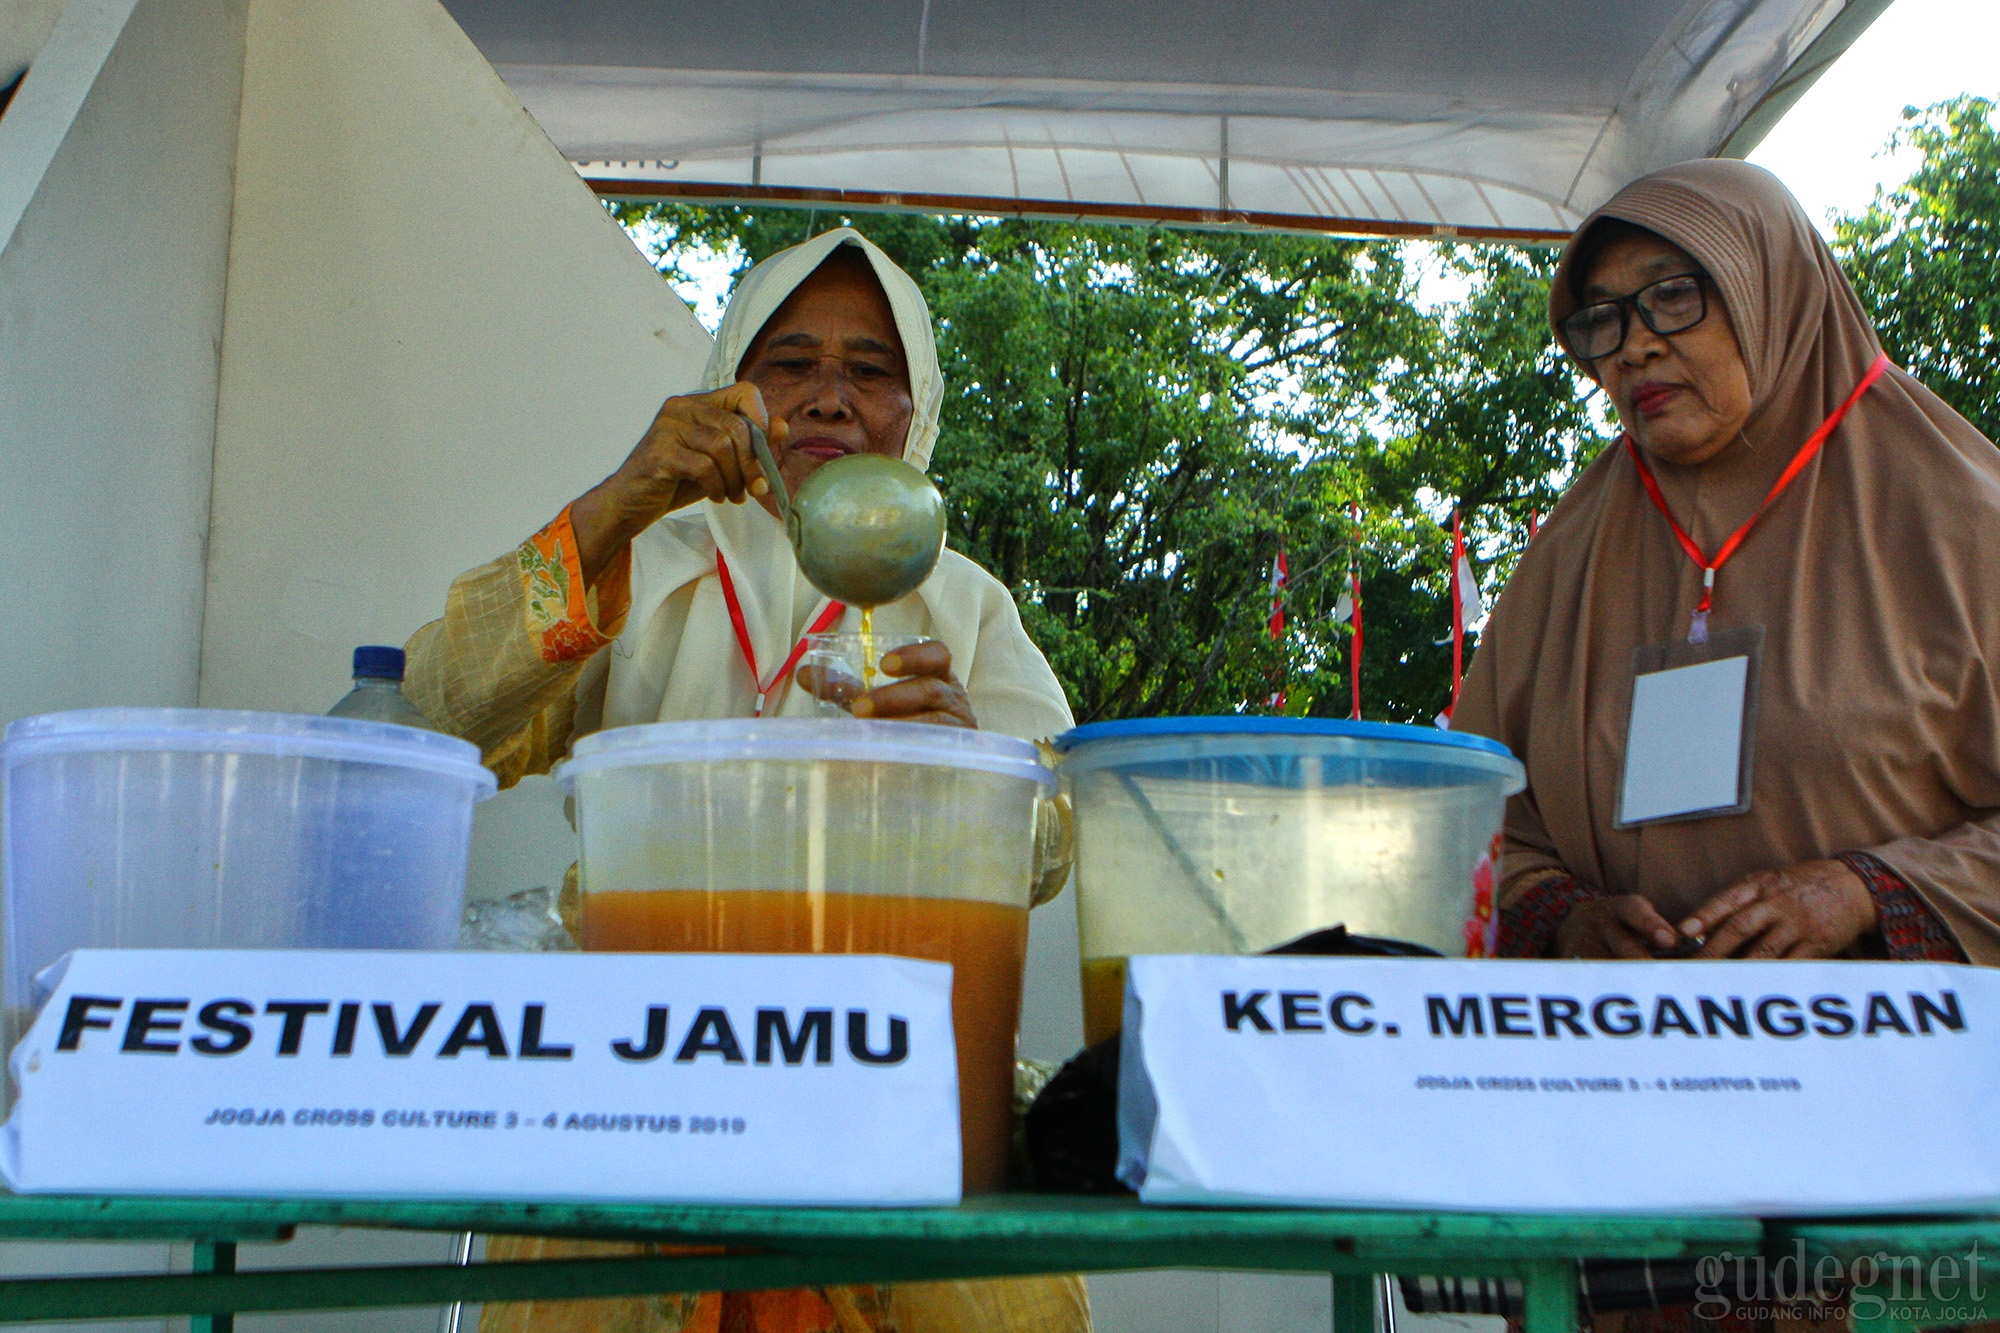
(986, 944)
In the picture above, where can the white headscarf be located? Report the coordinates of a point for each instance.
(769, 285)
(678, 658)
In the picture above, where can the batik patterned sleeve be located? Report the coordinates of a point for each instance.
(1911, 931)
(502, 665)
(1534, 908)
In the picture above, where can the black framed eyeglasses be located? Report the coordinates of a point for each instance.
(1671, 305)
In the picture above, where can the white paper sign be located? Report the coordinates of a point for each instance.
(1684, 748)
(676, 1077)
(1731, 1087)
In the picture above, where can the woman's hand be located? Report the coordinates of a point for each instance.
(1812, 910)
(697, 447)
(927, 692)
(1626, 927)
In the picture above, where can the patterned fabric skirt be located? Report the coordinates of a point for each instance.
(994, 1305)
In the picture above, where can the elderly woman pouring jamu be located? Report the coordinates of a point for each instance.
(1749, 660)
(669, 593)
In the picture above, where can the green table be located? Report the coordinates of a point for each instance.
(786, 1247)
(1905, 1272)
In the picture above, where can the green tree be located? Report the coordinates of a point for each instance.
(1491, 422)
(1137, 420)
(1924, 257)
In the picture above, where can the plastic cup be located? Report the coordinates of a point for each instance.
(841, 665)
(826, 836)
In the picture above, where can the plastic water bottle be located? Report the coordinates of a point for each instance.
(377, 695)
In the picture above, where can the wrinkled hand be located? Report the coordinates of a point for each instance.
(697, 447)
(1812, 910)
(926, 692)
(1626, 927)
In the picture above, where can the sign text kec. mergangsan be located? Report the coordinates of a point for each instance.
(1560, 1017)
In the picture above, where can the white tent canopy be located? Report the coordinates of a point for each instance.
(1501, 118)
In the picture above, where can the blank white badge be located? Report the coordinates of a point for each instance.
(1684, 750)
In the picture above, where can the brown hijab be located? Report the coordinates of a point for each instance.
(1876, 577)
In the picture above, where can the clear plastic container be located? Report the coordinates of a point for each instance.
(200, 828)
(1230, 835)
(826, 836)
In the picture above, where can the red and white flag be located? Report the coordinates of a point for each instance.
(1468, 613)
(1281, 575)
(1471, 614)
(1348, 608)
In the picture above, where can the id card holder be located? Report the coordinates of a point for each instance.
(1690, 729)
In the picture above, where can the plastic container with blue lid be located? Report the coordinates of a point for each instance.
(1232, 835)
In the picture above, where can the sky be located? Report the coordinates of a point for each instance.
(1828, 148)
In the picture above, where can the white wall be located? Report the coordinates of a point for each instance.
(435, 337)
(115, 196)
(1052, 993)
(116, 158)
(25, 26)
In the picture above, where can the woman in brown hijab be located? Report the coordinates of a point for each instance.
(1863, 593)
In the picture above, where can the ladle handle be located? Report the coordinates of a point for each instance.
(1204, 891)
(773, 478)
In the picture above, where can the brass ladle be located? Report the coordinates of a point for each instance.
(866, 529)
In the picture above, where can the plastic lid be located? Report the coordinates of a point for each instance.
(379, 661)
(233, 731)
(1290, 752)
(804, 740)
(1230, 725)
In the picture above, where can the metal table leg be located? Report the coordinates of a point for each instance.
(1353, 1303)
(214, 1256)
(1548, 1296)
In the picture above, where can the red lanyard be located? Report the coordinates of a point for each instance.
(827, 618)
(1698, 631)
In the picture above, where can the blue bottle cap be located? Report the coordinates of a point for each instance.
(379, 661)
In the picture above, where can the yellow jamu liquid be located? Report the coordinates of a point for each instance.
(867, 647)
(1103, 999)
